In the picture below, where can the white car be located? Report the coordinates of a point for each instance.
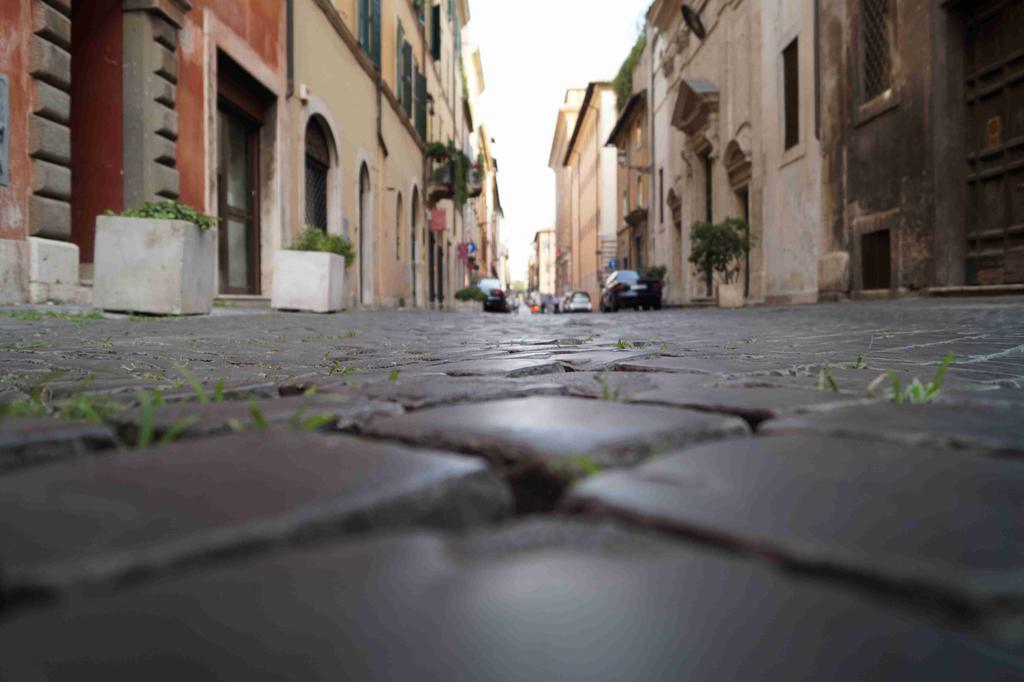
(578, 302)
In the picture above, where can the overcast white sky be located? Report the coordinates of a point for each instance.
(532, 51)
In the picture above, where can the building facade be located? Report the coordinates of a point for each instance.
(593, 183)
(922, 122)
(629, 137)
(270, 115)
(564, 127)
(542, 272)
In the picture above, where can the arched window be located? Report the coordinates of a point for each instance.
(318, 165)
(365, 258)
(399, 221)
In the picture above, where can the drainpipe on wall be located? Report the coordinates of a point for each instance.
(290, 18)
(652, 163)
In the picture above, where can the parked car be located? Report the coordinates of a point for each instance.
(577, 302)
(626, 289)
(495, 301)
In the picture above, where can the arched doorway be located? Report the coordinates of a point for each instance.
(399, 222)
(318, 168)
(365, 244)
(413, 255)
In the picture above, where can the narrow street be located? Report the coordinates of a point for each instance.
(377, 487)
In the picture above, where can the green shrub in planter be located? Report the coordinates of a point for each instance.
(169, 210)
(719, 248)
(655, 272)
(313, 239)
(470, 294)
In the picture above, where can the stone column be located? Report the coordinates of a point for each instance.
(150, 95)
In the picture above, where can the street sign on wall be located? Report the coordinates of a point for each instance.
(613, 264)
(438, 220)
(5, 123)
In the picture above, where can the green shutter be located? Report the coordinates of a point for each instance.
(364, 23)
(399, 64)
(435, 33)
(375, 33)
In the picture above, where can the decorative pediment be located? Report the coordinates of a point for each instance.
(696, 105)
(737, 157)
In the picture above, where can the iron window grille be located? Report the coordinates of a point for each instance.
(878, 38)
(318, 162)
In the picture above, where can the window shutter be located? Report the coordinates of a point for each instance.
(399, 64)
(375, 33)
(421, 106)
(364, 24)
(435, 33)
(406, 84)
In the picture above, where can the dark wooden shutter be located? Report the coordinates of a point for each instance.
(375, 33)
(400, 74)
(364, 24)
(406, 84)
(421, 106)
(435, 33)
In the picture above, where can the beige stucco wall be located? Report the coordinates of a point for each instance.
(792, 234)
(343, 94)
(729, 57)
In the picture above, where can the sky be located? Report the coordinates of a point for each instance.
(532, 52)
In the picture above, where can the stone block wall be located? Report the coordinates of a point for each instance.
(49, 133)
(150, 97)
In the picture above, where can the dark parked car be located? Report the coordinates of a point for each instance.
(495, 301)
(626, 289)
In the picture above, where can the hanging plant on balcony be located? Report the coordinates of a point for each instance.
(437, 151)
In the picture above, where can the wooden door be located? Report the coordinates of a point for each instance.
(238, 189)
(995, 142)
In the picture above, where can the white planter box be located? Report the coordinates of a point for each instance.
(162, 267)
(468, 306)
(310, 281)
(730, 295)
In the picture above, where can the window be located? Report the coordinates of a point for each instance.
(638, 137)
(399, 64)
(435, 32)
(877, 41)
(318, 163)
(399, 221)
(661, 193)
(640, 192)
(369, 28)
(791, 93)
(709, 190)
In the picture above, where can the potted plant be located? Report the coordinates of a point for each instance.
(310, 276)
(719, 248)
(469, 299)
(160, 259)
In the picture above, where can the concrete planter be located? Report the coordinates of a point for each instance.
(310, 281)
(730, 295)
(162, 267)
(468, 306)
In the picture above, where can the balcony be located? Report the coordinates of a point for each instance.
(441, 183)
(475, 183)
(637, 218)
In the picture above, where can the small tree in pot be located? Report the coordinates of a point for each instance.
(719, 248)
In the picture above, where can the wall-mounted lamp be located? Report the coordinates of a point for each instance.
(693, 21)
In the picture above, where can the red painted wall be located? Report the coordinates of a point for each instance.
(97, 110)
(15, 20)
(260, 24)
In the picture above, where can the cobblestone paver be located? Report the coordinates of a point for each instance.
(689, 494)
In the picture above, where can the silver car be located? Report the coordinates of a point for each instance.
(577, 302)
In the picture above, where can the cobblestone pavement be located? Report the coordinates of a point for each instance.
(690, 494)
